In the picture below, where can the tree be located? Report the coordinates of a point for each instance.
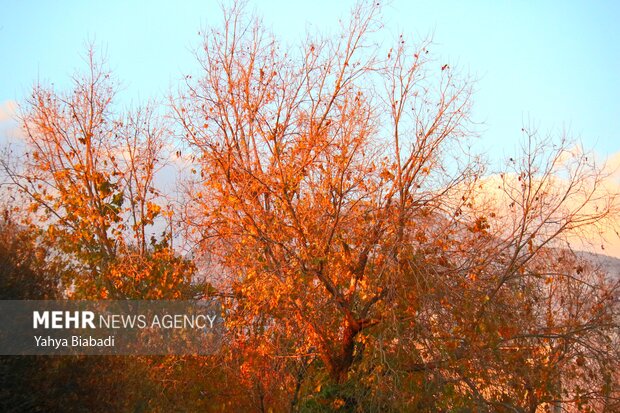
(332, 187)
(81, 225)
(88, 177)
(365, 259)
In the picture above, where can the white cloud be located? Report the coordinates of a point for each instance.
(496, 193)
(7, 111)
(10, 132)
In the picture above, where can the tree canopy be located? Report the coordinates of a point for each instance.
(365, 258)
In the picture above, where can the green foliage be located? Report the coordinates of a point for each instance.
(27, 269)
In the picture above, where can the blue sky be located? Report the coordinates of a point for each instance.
(552, 63)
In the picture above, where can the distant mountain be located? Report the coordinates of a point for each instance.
(611, 265)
